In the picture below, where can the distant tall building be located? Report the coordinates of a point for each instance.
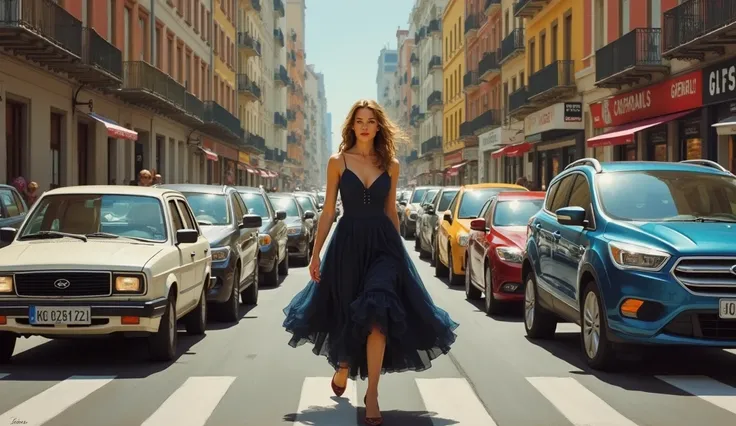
(387, 62)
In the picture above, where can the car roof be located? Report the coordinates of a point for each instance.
(110, 189)
(281, 194)
(520, 195)
(197, 187)
(250, 189)
(629, 166)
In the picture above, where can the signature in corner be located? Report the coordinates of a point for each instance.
(17, 421)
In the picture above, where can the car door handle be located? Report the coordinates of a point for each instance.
(206, 250)
(556, 235)
(538, 226)
(193, 254)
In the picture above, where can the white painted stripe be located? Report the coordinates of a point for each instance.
(4, 375)
(711, 390)
(54, 400)
(319, 406)
(452, 400)
(579, 405)
(193, 403)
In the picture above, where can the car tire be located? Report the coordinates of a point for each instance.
(454, 279)
(538, 322)
(7, 346)
(491, 304)
(231, 308)
(593, 326)
(250, 295)
(162, 344)
(196, 321)
(471, 291)
(284, 266)
(271, 278)
(440, 270)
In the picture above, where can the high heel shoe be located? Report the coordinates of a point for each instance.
(372, 421)
(338, 390)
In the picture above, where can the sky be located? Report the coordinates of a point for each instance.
(343, 39)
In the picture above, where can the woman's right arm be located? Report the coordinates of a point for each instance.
(327, 218)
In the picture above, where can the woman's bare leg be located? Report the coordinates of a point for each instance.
(341, 375)
(375, 348)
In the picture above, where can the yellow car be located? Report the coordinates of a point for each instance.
(454, 229)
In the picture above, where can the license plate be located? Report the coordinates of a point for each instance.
(72, 315)
(727, 308)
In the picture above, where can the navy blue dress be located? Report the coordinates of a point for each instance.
(367, 278)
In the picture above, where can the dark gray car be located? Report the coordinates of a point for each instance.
(13, 209)
(300, 228)
(427, 231)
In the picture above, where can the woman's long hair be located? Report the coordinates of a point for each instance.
(386, 139)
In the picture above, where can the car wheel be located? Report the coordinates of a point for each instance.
(471, 291)
(538, 322)
(284, 265)
(162, 344)
(491, 304)
(7, 346)
(272, 277)
(597, 349)
(231, 308)
(250, 295)
(453, 277)
(440, 270)
(196, 322)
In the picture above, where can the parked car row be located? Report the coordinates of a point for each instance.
(133, 261)
(635, 253)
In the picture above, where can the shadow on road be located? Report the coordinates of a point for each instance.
(637, 367)
(326, 415)
(510, 311)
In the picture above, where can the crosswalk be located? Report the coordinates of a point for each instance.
(446, 401)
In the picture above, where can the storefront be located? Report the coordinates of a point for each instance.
(662, 122)
(490, 166)
(554, 137)
(461, 167)
(719, 94)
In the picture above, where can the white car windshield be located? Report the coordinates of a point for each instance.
(98, 215)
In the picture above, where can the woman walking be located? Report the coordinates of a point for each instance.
(366, 308)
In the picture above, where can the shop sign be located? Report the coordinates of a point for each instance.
(561, 116)
(490, 139)
(719, 82)
(225, 151)
(470, 154)
(674, 95)
(243, 157)
(453, 157)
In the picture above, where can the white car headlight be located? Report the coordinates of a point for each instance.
(463, 238)
(294, 231)
(630, 256)
(509, 254)
(220, 254)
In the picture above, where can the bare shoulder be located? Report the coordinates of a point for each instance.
(394, 167)
(334, 160)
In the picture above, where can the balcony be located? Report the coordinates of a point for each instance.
(193, 113)
(101, 65)
(291, 138)
(472, 25)
(467, 132)
(279, 120)
(220, 123)
(248, 88)
(281, 77)
(512, 45)
(697, 27)
(471, 81)
(434, 27)
(41, 31)
(146, 86)
(249, 45)
(488, 67)
(278, 36)
(414, 58)
(635, 56)
(431, 145)
(434, 101)
(486, 121)
(278, 7)
(519, 105)
(255, 4)
(415, 82)
(290, 115)
(529, 8)
(492, 6)
(435, 64)
(553, 82)
(252, 142)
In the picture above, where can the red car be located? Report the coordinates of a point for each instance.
(496, 244)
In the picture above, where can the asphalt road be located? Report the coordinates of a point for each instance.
(246, 374)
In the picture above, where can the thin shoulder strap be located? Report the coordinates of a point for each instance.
(344, 160)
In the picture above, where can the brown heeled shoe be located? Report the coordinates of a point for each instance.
(372, 421)
(338, 390)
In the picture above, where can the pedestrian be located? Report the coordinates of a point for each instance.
(366, 308)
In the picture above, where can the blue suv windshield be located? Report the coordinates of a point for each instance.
(659, 196)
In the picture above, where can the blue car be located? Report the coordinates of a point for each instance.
(636, 253)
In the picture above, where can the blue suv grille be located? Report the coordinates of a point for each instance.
(707, 275)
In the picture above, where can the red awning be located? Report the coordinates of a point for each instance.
(209, 154)
(624, 134)
(250, 170)
(498, 153)
(517, 150)
(114, 130)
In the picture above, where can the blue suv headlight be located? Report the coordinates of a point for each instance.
(627, 256)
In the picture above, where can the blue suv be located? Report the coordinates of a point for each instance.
(634, 253)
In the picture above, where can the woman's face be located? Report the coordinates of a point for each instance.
(365, 125)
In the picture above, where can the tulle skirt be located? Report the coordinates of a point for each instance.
(369, 280)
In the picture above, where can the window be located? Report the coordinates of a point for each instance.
(209, 209)
(563, 192)
(599, 26)
(55, 147)
(127, 35)
(515, 212)
(580, 195)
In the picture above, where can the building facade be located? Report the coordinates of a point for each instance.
(453, 114)
(295, 17)
(387, 63)
(407, 151)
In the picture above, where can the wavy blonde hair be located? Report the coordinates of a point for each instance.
(386, 139)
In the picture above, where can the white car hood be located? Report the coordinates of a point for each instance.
(75, 254)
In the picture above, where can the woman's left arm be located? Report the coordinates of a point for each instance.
(390, 207)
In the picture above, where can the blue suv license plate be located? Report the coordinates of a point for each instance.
(727, 309)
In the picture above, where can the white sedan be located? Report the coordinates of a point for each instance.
(103, 260)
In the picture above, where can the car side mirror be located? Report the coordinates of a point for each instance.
(320, 206)
(308, 214)
(571, 216)
(478, 225)
(251, 221)
(186, 236)
(402, 203)
(280, 215)
(447, 217)
(429, 209)
(7, 235)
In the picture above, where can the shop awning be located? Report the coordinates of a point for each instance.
(209, 154)
(250, 169)
(625, 134)
(498, 153)
(458, 165)
(114, 130)
(516, 150)
(726, 127)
